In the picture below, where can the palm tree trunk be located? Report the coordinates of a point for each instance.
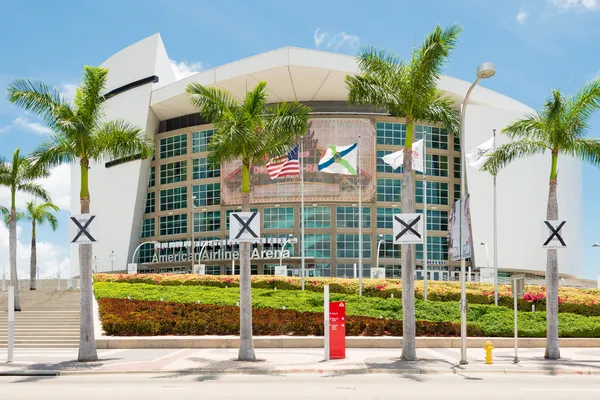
(409, 330)
(12, 240)
(246, 352)
(33, 259)
(87, 339)
(552, 346)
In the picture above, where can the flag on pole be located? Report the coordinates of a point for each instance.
(396, 159)
(480, 154)
(283, 166)
(340, 160)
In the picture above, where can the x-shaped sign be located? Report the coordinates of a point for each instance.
(83, 229)
(408, 227)
(555, 233)
(245, 225)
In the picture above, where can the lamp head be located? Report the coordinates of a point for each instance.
(596, 245)
(486, 70)
(483, 243)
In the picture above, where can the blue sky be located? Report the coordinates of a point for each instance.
(537, 46)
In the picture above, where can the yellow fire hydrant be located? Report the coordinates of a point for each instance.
(488, 352)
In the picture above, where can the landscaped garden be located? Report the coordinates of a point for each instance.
(208, 305)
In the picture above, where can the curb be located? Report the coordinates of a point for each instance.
(31, 372)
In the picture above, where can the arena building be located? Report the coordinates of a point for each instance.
(161, 204)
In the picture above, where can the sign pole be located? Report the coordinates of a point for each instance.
(360, 238)
(495, 235)
(425, 277)
(516, 360)
(326, 321)
(302, 261)
(11, 323)
(233, 266)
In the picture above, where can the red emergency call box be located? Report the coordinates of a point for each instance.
(337, 329)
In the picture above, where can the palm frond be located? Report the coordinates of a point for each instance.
(442, 110)
(41, 213)
(256, 100)
(581, 107)
(372, 61)
(288, 120)
(19, 216)
(587, 149)
(372, 90)
(509, 152)
(37, 97)
(89, 97)
(116, 139)
(530, 127)
(34, 189)
(53, 152)
(211, 102)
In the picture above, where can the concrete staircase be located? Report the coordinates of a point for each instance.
(49, 319)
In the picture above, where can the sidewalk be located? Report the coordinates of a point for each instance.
(288, 361)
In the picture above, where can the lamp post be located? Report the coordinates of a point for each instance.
(137, 248)
(112, 261)
(597, 245)
(487, 262)
(193, 229)
(381, 240)
(484, 71)
(289, 240)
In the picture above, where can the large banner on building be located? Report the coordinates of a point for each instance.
(318, 186)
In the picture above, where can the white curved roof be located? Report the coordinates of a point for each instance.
(298, 74)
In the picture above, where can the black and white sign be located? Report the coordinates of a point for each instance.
(244, 226)
(84, 228)
(408, 228)
(553, 235)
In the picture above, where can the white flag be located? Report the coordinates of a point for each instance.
(480, 154)
(396, 159)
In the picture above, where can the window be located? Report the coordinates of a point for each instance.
(349, 271)
(208, 194)
(228, 213)
(437, 165)
(150, 202)
(457, 167)
(389, 189)
(173, 172)
(456, 143)
(278, 218)
(388, 249)
(173, 146)
(391, 133)
(317, 245)
(382, 166)
(437, 220)
(173, 199)
(173, 224)
(385, 217)
(201, 139)
(347, 245)
(318, 270)
(437, 249)
(253, 269)
(212, 270)
(152, 179)
(202, 169)
(347, 217)
(456, 191)
(392, 271)
(437, 192)
(437, 138)
(146, 253)
(317, 217)
(148, 228)
(277, 246)
(207, 221)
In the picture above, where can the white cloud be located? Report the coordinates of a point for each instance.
(58, 184)
(582, 5)
(31, 126)
(49, 256)
(184, 69)
(336, 41)
(68, 90)
(522, 16)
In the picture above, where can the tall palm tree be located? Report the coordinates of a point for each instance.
(38, 214)
(19, 175)
(81, 135)
(560, 128)
(408, 90)
(250, 130)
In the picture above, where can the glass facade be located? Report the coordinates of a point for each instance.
(317, 245)
(389, 190)
(437, 192)
(347, 217)
(385, 217)
(202, 169)
(173, 172)
(437, 249)
(201, 139)
(207, 194)
(173, 146)
(317, 217)
(348, 246)
(278, 218)
(173, 199)
(148, 228)
(207, 221)
(173, 224)
(150, 202)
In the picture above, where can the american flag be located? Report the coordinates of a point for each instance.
(282, 166)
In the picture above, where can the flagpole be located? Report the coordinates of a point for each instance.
(495, 234)
(425, 215)
(302, 209)
(360, 238)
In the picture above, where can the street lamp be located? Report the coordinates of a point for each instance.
(137, 248)
(193, 229)
(597, 245)
(289, 240)
(381, 240)
(484, 71)
(487, 260)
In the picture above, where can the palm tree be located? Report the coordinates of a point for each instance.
(408, 90)
(19, 175)
(38, 214)
(251, 130)
(81, 134)
(560, 128)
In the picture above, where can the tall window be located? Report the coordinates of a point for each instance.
(437, 249)
(349, 271)
(228, 213)
(347, 245)
(208, 194)
(437, 138)
(317, 217)
(391, 133)
(148, 228)
(173, 224)
(173, 172)
(389, 189)
(201, 139)
(152, 178)
(347, 217)
(457, 167)
(437, 192)
(173, 199)
(207, 221)
(437, 220)
(173, 146)
(278, 218)
(317, 245)
(146, 253)
(202, 169)
(150, 202)
(385, 217)
(456, 191)
(437, 165)
(383, 166)
(390, 250)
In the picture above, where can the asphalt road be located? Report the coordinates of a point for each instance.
(363, 387)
